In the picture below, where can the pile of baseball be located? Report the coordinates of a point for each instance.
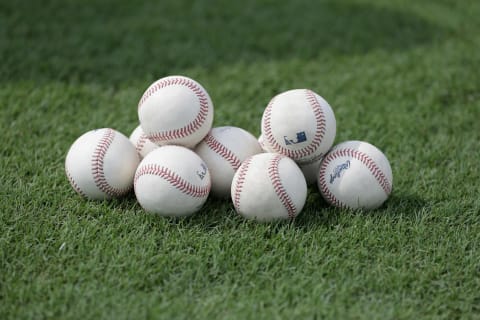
(174, 159)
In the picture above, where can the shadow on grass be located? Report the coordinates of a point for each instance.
(219, 213)
(117, 41)
(407, 205)
(317, 212)
(215, 212)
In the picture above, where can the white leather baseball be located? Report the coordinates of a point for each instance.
(176, 110)
(141, 142)
(299, 124)
(224, 149)
(261, 142)
(269, 186)
(101, 164)
(172, 181)
(355, 174)
(310, 171)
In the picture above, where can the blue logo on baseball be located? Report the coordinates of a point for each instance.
(301, 137)
(337, 172)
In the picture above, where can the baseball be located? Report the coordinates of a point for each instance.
(101, 164)
(310, 171)
(268, 186)
(223, 150)
(172, 181)
(355, 174)
(261, 142)
(299, 124)
(176, 110)
(143, 145)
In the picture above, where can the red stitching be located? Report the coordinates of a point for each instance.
(174, 179)
(279, 188)
(141, 142)
(75, 186)
(329, 196)
(362, 157)
(237, 191)
(319, 131)
(191, 127)
(97, 166)
(223, 151)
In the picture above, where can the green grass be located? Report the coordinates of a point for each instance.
(404, 77)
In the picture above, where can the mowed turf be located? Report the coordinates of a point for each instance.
(402, 76)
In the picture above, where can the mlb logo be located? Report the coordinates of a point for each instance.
(301, 137)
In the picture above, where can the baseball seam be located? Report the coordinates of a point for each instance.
(330, 197)
(363, 158)
(191, 127)
(240, 181)
(97, 163)
(75, 186)
(174, 179)
(223, 151)
(285, 199)
(141, 142)
(319, 132)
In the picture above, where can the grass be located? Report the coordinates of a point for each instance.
(403, 76)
